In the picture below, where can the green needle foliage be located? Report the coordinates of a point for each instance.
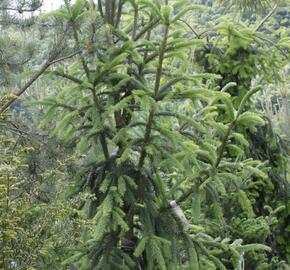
(161, 125)
(37, 229)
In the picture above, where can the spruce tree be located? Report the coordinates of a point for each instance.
(154, 137)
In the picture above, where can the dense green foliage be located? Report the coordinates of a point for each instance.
(161, 154)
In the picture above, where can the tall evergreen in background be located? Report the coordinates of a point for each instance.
(16, 51)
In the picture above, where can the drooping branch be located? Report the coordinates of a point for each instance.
(205, 175)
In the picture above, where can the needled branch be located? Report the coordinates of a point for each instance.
(76, 37)
(222, 148)
(156, 90)
(96, 103)
(187, 193)
(224, 143)
(67, 76)
(204, 175)
(103, 141)
(122, 119)
(146, 28)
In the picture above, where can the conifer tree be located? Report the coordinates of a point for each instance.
(173, 166)
(155, 137)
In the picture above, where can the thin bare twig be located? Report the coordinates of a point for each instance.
(52, 59)
(271, 12)
(190, 27)
(65, 57)
(19, 10)
(43, 68)
(274, 44)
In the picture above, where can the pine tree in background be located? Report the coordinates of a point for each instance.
(16, 49)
